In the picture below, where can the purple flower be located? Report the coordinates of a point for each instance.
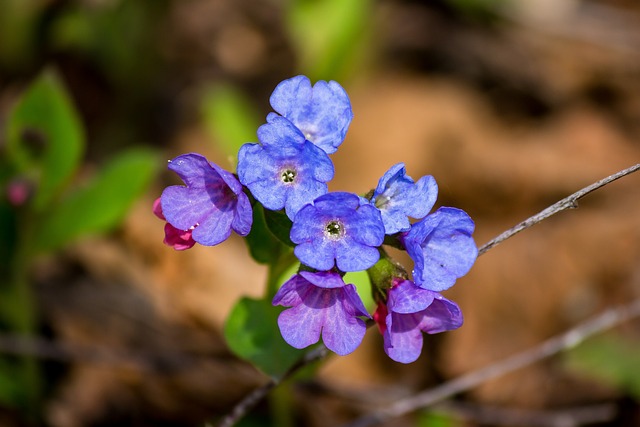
(336, 228)
(211, 204)
(398, 198)
(179, 240)
(285, 170)
(408, 313)
(321, 303)
(441, 247)
(322, 112)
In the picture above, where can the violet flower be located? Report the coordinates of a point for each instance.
(408, 313)
(321, 304)
(210, 205)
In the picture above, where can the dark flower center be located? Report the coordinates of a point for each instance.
(334, 229)
(288, 176)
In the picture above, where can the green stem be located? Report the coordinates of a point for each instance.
(19, 313)
(277, 269)
(282, 406)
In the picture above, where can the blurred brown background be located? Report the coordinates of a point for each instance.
(510, 105)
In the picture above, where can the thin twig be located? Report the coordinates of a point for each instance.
(569, 202)
(554, 345)
(253, 398)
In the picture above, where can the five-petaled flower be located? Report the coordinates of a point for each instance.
(321, 303)
(441, 247)
(322, 112)
(410, 311)
(284, 170)
(398, 198)
(210, 205)
(337, 229)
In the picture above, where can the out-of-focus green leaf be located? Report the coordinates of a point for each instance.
(11, 389)
(362, 283)
(230, 118)
(252, 333)
(280, 225)
(435, 419)
(481, 10)
(45, 137)
(330, 35)
(264, 247)
(612, 359)
(18, 32)
(101, 204)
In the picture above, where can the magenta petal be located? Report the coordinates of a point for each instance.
(178, 239)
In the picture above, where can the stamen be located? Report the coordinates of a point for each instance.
(288, 176)
(334, 229)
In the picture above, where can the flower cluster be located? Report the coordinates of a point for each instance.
(332, 232)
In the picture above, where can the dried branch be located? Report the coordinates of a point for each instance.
(554, 345)
(570, 202)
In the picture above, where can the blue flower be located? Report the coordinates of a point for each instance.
(211, 204)
(441, 247)
(285, 170)
(398, 198)
(322, 112)
(321, 304)
(408, 313)
(337, 229)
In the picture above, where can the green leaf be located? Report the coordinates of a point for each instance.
(230, 118)
(333, 48)
(264, 247)
(252, 333)
(45, 137)
(101, 204)
(609, 358)
(280, 226)
(435, 419)
(362, 283)
(12, 388)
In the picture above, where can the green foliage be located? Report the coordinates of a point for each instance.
(101, 204)
(229, 117)
(280, 225)
(435, 419)
(252, 333)
(482, 10)
(18, 32)
(11, 389)
(119, 35)
(45, 139)
(361, 281)
(330, 35)
(611, 359)
(264, 247)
